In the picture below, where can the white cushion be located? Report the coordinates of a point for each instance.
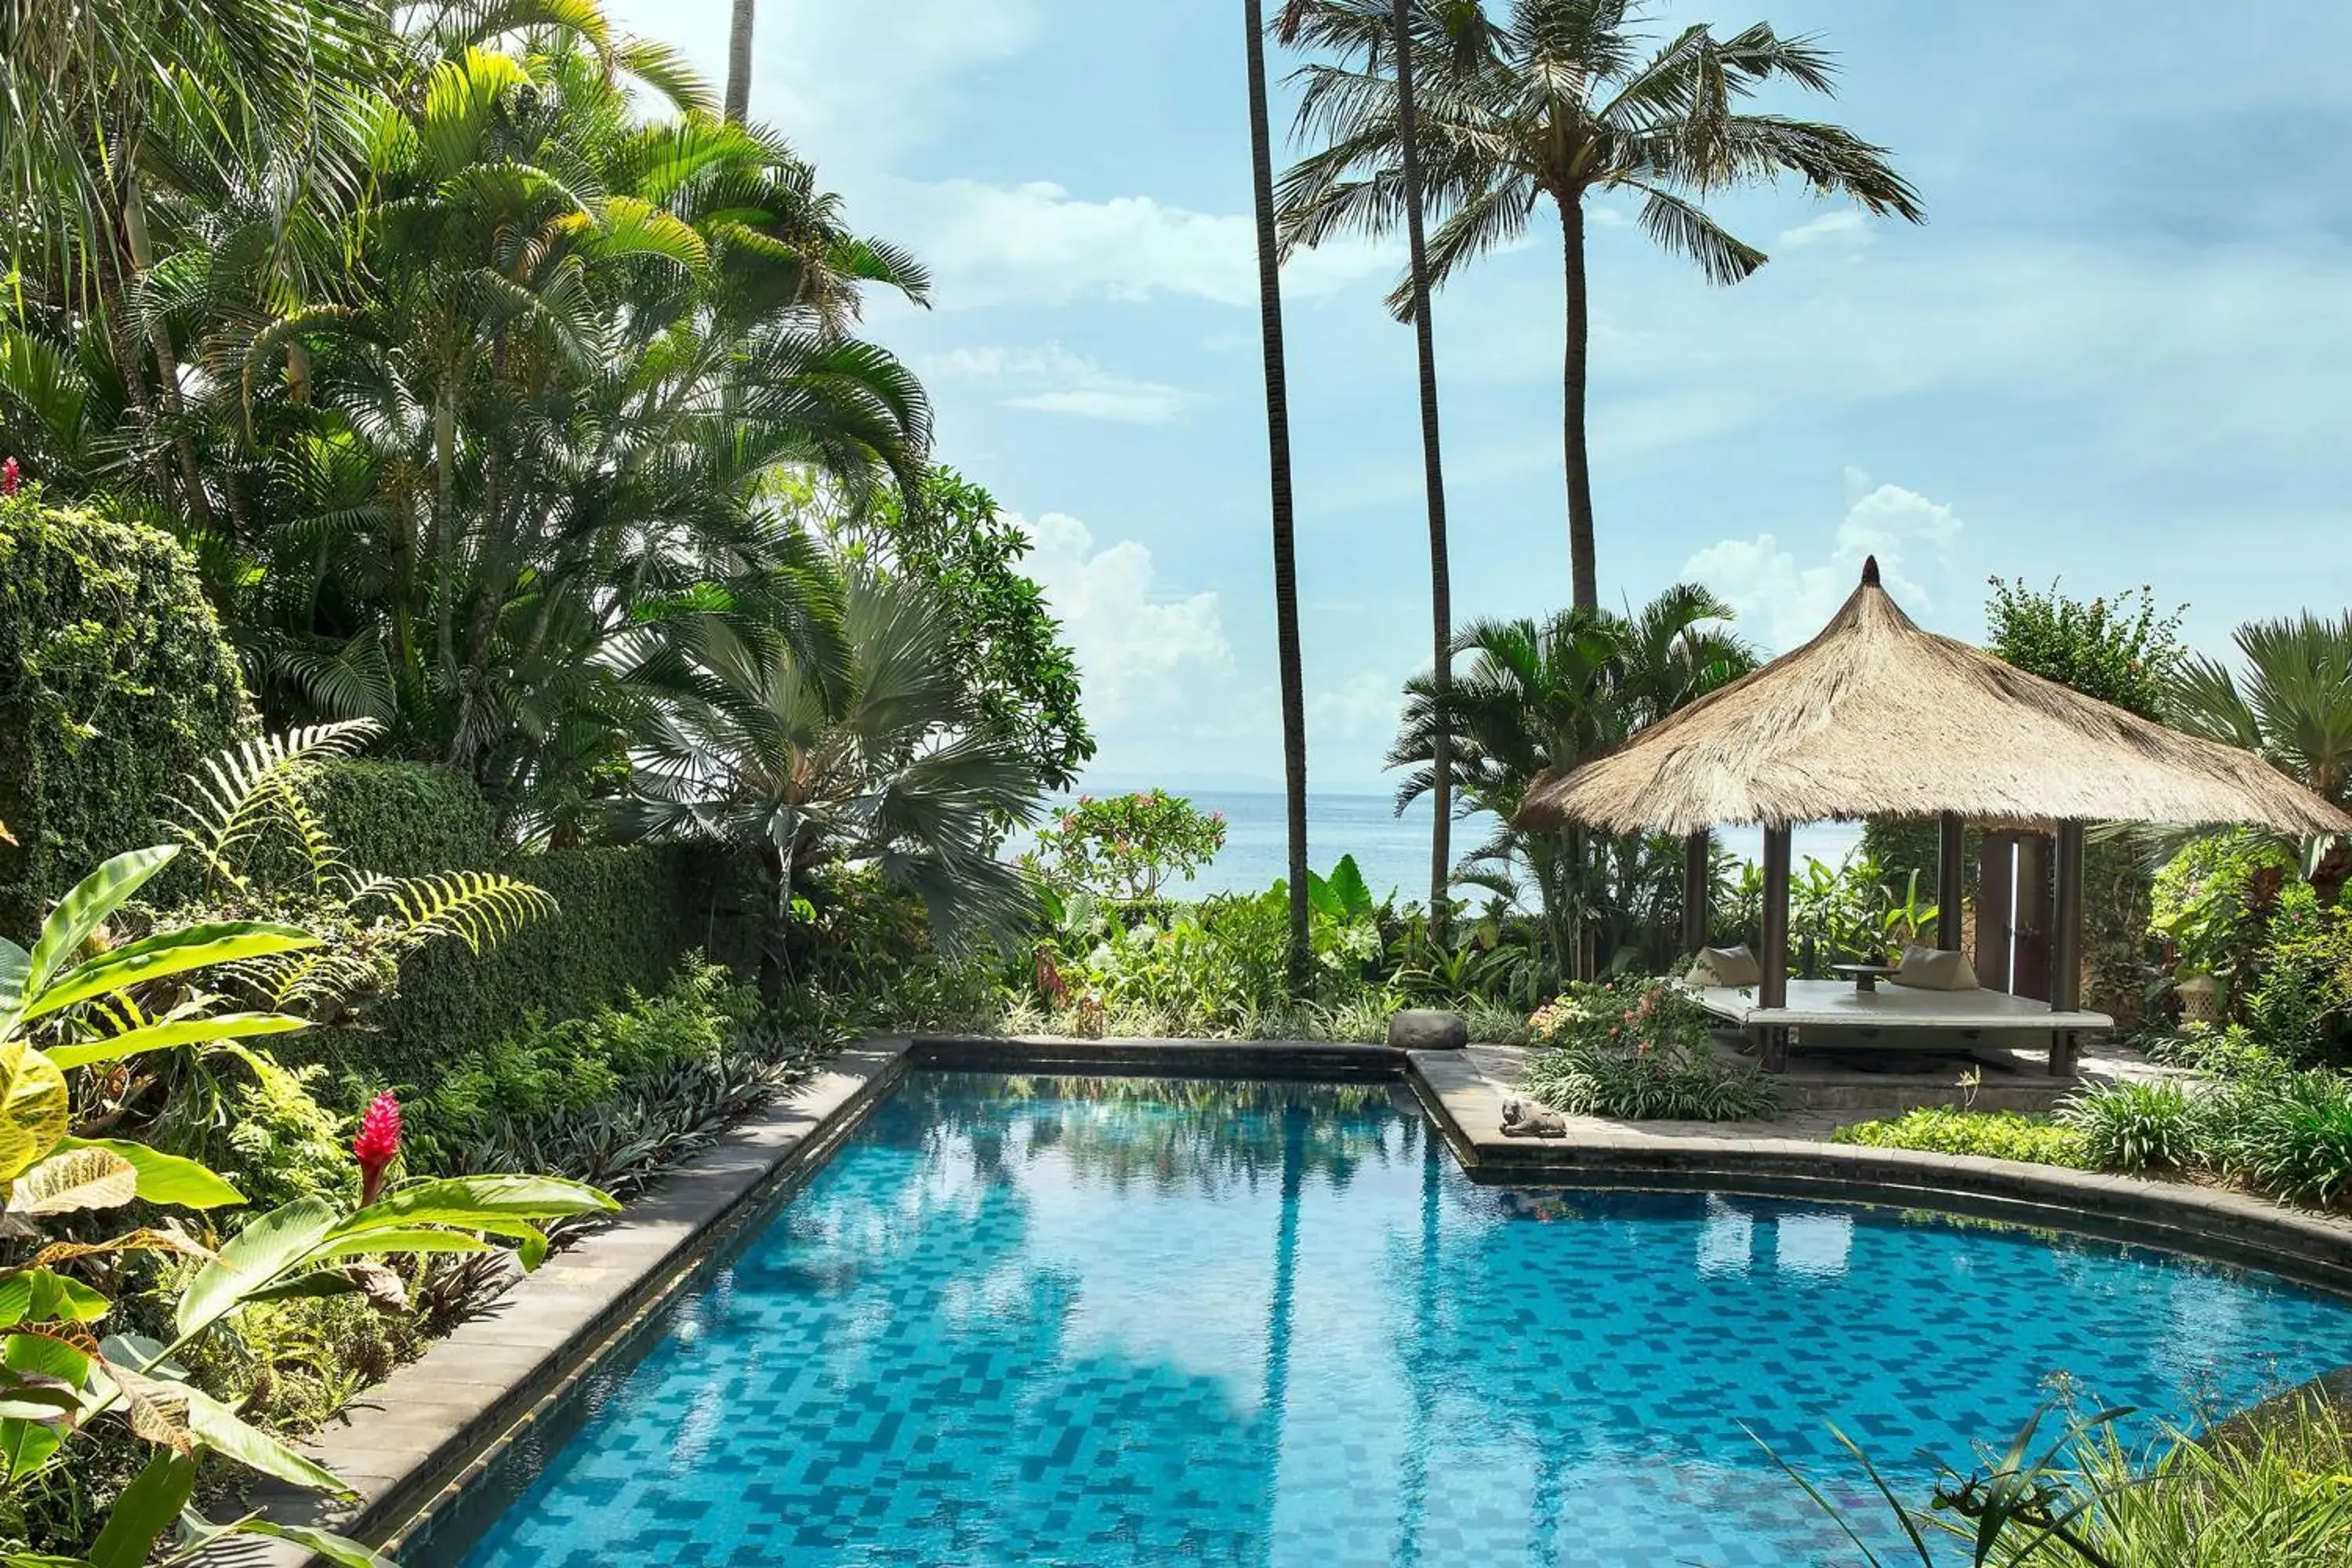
(1732, 966)
(1935, 969)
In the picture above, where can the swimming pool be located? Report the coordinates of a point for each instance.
(1121, 1321)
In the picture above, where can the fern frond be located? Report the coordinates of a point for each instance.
(237, 789)
(479, 908)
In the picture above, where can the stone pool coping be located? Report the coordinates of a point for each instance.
(416, 1441)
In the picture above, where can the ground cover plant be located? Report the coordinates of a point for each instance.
(1639, 1050)
(1988, 1134)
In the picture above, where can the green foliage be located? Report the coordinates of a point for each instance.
(2133, 1127)
(1123, 847)
(1988, 1134)
(2299, 1003)
(2213, 901)
(1535, 695)
(2288, 1134)
(1854, 912)
(2119, 650)
(2264, 1489)
(68, 993)
(579, 1063)
(114, 684)
(1639, 1050)
(1002, 635)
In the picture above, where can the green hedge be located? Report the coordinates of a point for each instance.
(627, 917)
(114, 683)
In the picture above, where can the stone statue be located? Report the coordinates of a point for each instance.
(1522, 1120)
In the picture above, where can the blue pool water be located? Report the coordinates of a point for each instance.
(1050, 1322)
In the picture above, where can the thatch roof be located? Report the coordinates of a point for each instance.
(1876, 718)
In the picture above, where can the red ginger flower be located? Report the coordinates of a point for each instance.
(8, 472)
(378, 1144)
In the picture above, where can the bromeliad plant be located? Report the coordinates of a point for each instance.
(74, 1002)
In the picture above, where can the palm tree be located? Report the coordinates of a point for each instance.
(738, 60)
(802, 762)
(2294, 706)
(1559, 100)
(1278, 439)
(1539, 696)
(1440, 596)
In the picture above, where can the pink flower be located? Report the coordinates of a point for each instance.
(9, 474)
(378, 1144)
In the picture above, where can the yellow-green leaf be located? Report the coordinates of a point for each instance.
(86, 1178)
(165, 1178)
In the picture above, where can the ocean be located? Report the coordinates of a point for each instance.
(1392, 851)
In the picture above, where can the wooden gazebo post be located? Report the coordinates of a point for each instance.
(1951, 879)
(1696, 849)
(1773, 957)
(2066, 944)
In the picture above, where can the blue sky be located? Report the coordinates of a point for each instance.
(2117, 352)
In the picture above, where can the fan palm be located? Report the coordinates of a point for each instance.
(2294, 705)
(1538, 696)
(873, 762)
(1562, 99)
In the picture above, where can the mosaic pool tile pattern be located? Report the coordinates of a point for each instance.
(1046, 1323)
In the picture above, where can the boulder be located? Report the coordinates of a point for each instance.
(1428, 1029)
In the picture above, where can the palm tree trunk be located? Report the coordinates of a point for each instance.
(738, 61)
(1277, 441)
(1586, 583)
(1441, 586)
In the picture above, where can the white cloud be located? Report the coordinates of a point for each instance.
(1782, 602)
(1055, 381)
(1364, 707)
(1036, 244)
(1141, 655)
(1845, 225)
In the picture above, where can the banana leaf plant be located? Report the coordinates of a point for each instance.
(75, 1001)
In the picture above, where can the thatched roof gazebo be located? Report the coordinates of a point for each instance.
(1875, 718)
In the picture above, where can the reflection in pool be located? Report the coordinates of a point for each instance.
(1109, 1323)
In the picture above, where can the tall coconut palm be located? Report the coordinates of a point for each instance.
(738, 60)
(1440, 596)
(1277, 440)
(801, 763)
(1562, 100)
(2294, 705)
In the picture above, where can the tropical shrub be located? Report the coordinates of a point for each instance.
(2264, 1489)
(1988, 1134)
(946, 534)
(1640, 1049)
(2119, 650)
(69, 1005)
(2298, 1004)
(2213, 900)
(115, 683)
(1123, 847)
(578, 1064)
(2289, 1135)
(1216, 968)
(2136, 1126)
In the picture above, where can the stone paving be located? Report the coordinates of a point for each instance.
(1465, 1090)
